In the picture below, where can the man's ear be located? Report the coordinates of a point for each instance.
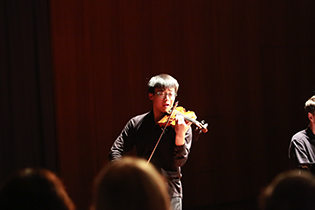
(310, 117)
(151, 96)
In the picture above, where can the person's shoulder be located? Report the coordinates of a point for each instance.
(140, 117)
(300, 133)
(299, 136)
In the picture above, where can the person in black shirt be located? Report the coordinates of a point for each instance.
(143, 133)
(302, 145)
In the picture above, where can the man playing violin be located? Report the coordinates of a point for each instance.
(167, 151)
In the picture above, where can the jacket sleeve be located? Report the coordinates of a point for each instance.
(182, 152)
(124, 142)
(300, 152)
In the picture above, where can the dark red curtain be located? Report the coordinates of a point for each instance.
(27, 129)
(245, 67)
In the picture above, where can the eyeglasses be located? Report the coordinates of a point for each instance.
(165, 94)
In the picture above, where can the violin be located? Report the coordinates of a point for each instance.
(169, 118)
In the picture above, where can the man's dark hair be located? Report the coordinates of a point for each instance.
(162, 81)
(310, 105)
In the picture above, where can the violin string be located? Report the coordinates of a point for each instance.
(157, 143)
(201, 126)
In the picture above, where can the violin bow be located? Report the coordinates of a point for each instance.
(158, 141)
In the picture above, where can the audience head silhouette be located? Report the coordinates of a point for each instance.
(130, 184)
(290, 190)
(34, 189)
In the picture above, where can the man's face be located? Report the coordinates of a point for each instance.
(163, 99)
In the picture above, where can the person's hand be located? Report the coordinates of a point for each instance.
(181, 128)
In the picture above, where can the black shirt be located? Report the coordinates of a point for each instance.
(143, 133)
(302, 148)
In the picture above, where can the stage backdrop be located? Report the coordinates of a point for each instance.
(245, 67)
(27, 116)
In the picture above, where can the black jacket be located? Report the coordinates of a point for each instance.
(142, 132)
